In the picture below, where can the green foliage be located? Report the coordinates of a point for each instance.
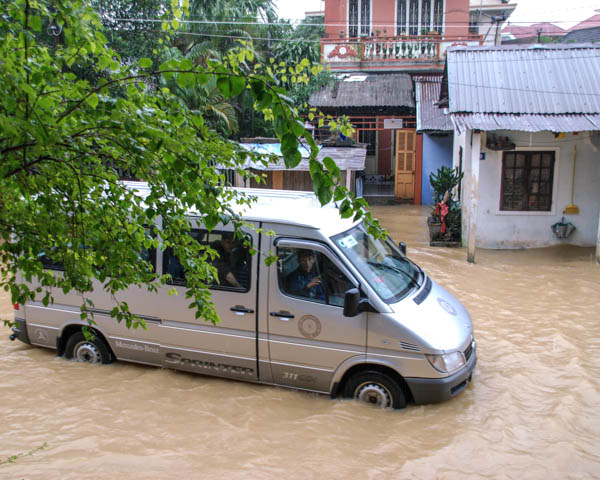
(444, 183)
(67, 137)
(444, 180)
(129, 27)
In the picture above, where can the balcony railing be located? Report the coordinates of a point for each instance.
(397, 50)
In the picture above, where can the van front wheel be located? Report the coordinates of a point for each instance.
(93, 350)
(376, 389)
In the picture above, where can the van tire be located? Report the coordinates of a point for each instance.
(94, 350)
(375, 388)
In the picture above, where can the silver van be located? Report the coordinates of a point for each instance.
(339, 313)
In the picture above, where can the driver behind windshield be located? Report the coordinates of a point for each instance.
(305, 281)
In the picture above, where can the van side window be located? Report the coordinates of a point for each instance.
(50, 263)
(147, 254)
(232, 264)
(310, 275)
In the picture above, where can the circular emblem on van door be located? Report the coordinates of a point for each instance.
(309, 326)
(446, 306)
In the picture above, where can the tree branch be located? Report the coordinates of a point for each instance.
(26, 166)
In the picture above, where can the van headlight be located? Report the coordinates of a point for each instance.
(447, 362)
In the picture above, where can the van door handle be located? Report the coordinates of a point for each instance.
(240, 310)
(282, 315)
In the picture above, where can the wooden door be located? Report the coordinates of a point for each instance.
(406, 150)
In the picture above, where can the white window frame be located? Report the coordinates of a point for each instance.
(420, 10)
(359, 18)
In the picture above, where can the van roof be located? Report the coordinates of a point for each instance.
(288, 207)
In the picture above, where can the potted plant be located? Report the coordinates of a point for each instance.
(445, 220)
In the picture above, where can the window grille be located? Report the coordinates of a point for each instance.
(527, 181)
(413, 16)
(359, 17)
(425, 16)
(401, 27)
(438, 16)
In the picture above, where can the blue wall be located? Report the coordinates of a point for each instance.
(437, 152)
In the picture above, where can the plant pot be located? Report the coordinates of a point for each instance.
(436, 237)
(435, 227)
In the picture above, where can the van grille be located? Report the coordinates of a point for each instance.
(468, 352)
(409, 346)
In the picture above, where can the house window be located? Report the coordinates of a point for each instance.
(438, 15)
(474, 23)
(359, 17)
(401, 18)
(369, 137)
(415, 17)
(425, 16)
(527, 181)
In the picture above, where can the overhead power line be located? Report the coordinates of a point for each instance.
(392, 24)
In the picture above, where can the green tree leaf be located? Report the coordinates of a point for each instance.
(185, 80)
(92, 100)
(224, 85)
(145, 62)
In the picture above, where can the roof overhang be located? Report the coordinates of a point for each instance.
(430, 117)
(346, 158)
(526, 122)
(383, 90)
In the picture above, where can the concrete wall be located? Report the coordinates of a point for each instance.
(335, 18)
(437, 152)
(457, 17)
(501, 229)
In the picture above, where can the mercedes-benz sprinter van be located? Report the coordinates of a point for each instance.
(339, 313)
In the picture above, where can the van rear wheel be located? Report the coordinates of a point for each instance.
(375, 388)
(93, 350)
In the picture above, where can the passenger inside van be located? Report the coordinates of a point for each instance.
(233, 262)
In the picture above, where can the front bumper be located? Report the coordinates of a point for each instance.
(433, 390)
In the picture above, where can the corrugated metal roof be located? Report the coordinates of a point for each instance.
(346, 158)
(384, 90)
(526, 123)
(583, 35)
(533, 79)
(429, 116)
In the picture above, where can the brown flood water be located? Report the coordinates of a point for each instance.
(532, 411)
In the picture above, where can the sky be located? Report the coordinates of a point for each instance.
(294, 9)
(563, 13)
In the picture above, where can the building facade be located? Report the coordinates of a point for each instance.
(367, 39)
(527, 137)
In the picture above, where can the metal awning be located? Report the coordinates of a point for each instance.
(526, 122)
(374, 90)
(429, 116)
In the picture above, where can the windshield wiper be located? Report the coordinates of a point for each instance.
(394, 269)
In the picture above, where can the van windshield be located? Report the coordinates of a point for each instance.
(381, 263)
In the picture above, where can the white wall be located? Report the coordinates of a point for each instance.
(496, 229)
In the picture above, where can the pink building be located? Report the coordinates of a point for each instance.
(377, 46)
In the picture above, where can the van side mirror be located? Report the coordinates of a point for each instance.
(402, 247)
(351, 301)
